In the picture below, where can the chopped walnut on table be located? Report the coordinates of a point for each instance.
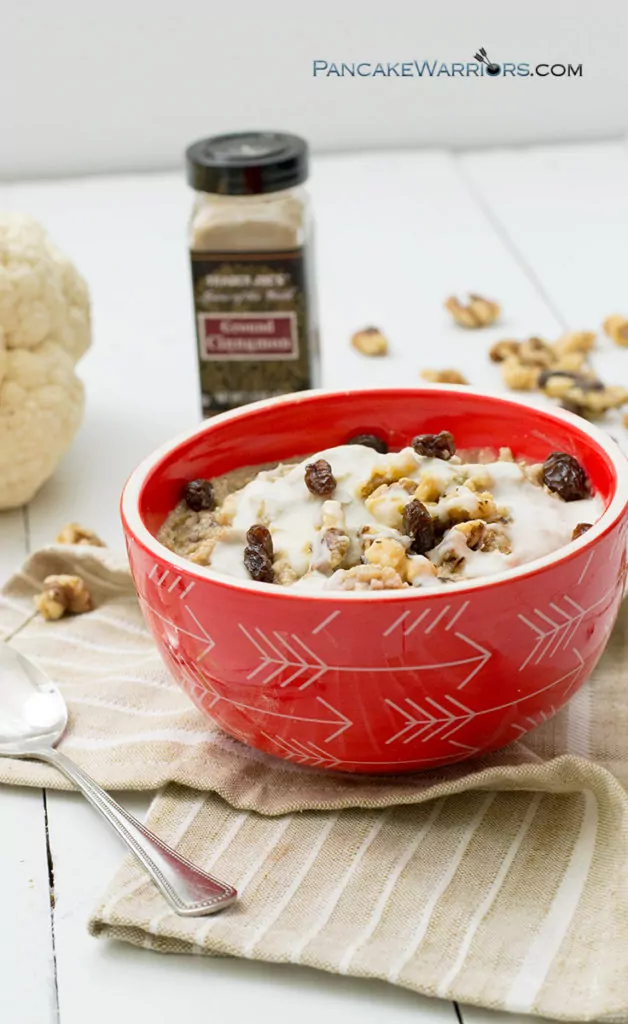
(444, 377)
(519, 377)
(574, 341)
(561, 370)
(535, 352)
(477, 312)
(582, 393)
(616, 327)
(74, 533)
(571, 362)
(63, 595)
(370, 342)
(503, 349)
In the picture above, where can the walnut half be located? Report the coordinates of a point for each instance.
(444, 376)
(74, 533)
(616, 327)
(478, 311)
(370, 342)
(63, 595)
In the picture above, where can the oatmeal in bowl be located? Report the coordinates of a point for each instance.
(357, 517)
(383, 580)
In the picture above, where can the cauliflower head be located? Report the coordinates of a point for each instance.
(44, 329)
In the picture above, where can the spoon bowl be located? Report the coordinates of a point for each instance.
(33, 713)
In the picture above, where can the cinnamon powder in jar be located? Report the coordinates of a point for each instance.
(252, 274)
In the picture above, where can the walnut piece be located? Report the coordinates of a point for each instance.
(536, 352)
(284, 573)
(535, 364)
(336, 545)
(370, 342)
(503, 349)
(478, 311)
(386, 504)
(418, 568)
(574, 341)
(473, 532)
(594, 403)
(557, 385)
(519, 377)
(386, 551)
(533, 472)
(430, 487)
(400, 464)
(616, 327)
(480, 481)
(368, 577)
(63, 595)
(571, 362)
(496, 539)
(444, 376)
(74, 533)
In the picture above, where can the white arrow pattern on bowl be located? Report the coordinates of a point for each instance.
(281, 652)
(552, 635)
(422, 721)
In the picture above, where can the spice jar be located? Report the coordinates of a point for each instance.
(252, 273)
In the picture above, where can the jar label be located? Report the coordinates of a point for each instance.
(252, 326)
(248, 336)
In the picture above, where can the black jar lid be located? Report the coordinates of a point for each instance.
(247, 163)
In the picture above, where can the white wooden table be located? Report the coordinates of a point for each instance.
(543, 231)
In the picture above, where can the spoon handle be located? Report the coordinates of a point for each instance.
(190, 891)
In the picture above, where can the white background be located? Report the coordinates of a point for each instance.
(127, 84)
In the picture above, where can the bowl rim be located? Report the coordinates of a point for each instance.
(133, 523)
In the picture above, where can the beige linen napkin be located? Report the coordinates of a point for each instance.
(503, 882)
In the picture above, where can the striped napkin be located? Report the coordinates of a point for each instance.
(501, 883)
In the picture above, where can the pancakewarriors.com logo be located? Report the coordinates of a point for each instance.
(479, 67)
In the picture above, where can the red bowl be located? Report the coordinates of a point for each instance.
(397, 680)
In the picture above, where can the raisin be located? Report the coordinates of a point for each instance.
(578, 381)
(319, 478)
(435, 446)
(370, 441)
(545, 375)
(258, 564)
(258, 536)
(572, 407)
(565, 476)
(580, 529)
(585, 384)
(418, 524)
(199, 495)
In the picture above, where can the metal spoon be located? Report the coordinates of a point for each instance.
(33, 717)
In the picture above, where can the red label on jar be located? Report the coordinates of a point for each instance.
(246, 336)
